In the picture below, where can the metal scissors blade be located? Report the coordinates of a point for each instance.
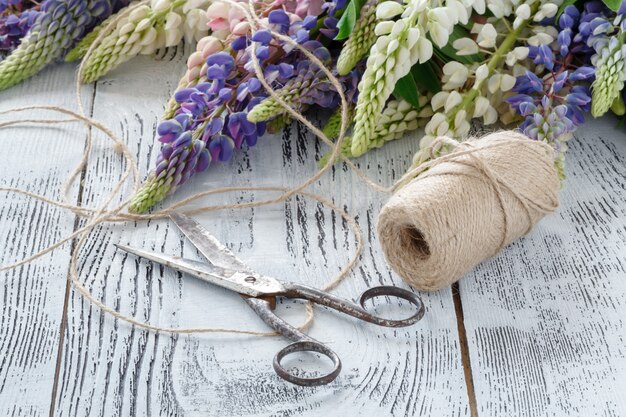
(207, 244)
(242, 282)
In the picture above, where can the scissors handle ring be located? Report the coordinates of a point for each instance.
(307, 346)
(392, 291)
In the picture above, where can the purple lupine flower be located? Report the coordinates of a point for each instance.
(59, 25)
(212, 118)
(16, 19)
(553, 103)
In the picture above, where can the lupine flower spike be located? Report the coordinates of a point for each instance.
(608, 41)
(60, 24)
(211, 118)
(553, 106)
(16, 19)
(361, 40)
(161, 24)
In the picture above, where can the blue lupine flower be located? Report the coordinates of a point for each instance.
(13, 27)
(55, 29)
(214, 114)
(553, 103)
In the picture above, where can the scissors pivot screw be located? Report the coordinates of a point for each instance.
(250, 279)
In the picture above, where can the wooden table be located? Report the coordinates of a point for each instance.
(539, 330)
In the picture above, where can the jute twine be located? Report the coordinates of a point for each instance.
(467, 207)
(107, 211)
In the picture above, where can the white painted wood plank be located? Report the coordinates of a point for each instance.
(545, 319)
(31, 297)
(112, 369)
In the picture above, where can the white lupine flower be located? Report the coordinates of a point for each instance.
(459, 119)
(490, 116)
(388, 10)
(146, 28)
(424, 49)
(435, 121)
(493, 84)
(440, 25)
(481, 106)
(540, 39)
(443, 129)
(500, 8)
(439, 100)
(546, 10)
(160, 5)
(521, 52)
(479, 6)
(523, 11)
(550, 30)
(476, 28)
(487, 36)
(518, 70)
(460, 11)
(454, 75)
(172, 20)
(465, 46)
(462, 126)
(383, 28)
(517, 54)
(392, 57)
(507, 82)
(482, 72)
(454, 99)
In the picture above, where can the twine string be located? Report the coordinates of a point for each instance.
(101, 214)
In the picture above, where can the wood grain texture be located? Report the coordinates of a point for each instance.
(545, 318)
(32, 297)
(111, 369)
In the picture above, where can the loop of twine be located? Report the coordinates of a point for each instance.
(103, 214)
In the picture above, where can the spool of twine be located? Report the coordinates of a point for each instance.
(467, 206)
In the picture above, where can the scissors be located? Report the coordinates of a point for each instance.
(260, 292)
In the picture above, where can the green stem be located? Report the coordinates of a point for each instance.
(494, 61)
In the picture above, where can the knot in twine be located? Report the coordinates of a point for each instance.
(465, 206)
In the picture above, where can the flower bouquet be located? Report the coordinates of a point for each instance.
(532, 65)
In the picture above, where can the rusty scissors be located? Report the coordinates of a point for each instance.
(260, 292)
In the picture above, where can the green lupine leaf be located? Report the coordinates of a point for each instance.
(406, 88)
(425, 76)
(612, 4)
(348, 19)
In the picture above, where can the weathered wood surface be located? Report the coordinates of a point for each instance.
(109, 368)
(543, 319)
(32, 297)
(546, 318)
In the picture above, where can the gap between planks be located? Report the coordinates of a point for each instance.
(464, 347)
(68, 285)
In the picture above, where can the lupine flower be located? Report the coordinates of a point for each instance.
(212, 115)
(608, 40)
(477, 90)
(399, 46)
(13, 27)
(553, 105)
(59, 25)
(309, 86)
(397, 119)
(144, 30)
(361, 39)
